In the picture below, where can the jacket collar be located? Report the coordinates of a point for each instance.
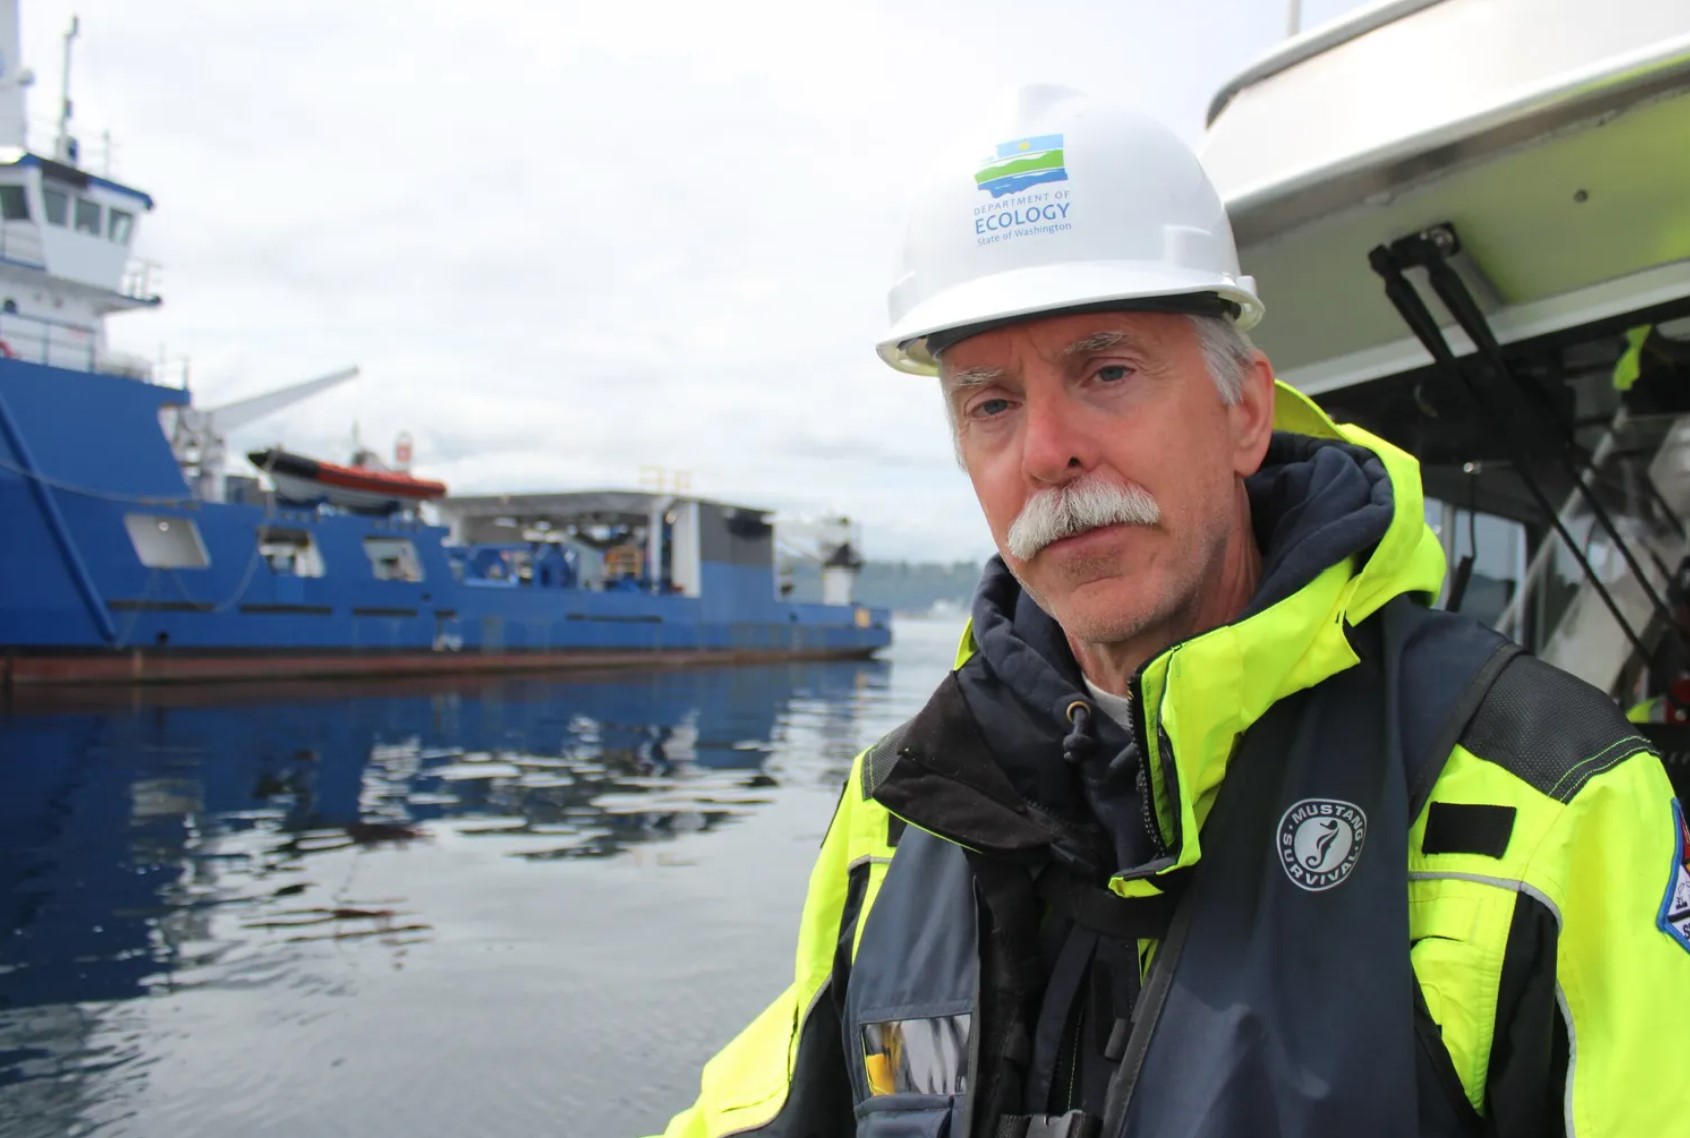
(1196, 699)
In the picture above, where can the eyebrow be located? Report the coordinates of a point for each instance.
(972, 377)
(1097, 342)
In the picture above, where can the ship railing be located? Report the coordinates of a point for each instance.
(95, 154)
(141, 279)
(56, 343)
(169, 371)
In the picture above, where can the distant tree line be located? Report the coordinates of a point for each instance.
(902, 586)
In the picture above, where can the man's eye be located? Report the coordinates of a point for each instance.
(1113, 373)
(989, 408)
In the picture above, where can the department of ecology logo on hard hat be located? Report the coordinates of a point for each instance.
(1019, 165)
(1320, 842)
(1022, 164)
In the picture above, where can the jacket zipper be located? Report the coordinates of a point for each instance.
(1146, 803)
(1074, 1056)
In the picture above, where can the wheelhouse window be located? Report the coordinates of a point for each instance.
(57, 204)
(163, 542)
(87, 216)
(290, 553)
(119, 225)
(14, 204)
(393, 558)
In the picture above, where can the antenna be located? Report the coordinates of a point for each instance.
(64, 147)
(1294, 18)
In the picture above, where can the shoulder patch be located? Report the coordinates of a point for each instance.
(1675, 907)
(1550, 729)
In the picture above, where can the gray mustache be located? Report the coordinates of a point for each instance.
(1065, 511)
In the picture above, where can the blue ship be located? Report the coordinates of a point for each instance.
(128, 553)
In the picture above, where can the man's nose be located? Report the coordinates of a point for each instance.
(1057, 444)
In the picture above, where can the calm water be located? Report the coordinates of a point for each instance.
(522, 907)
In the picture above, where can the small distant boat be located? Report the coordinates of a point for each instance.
(366, 489)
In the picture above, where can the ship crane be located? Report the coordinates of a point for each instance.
(197, 436)
(833, 542)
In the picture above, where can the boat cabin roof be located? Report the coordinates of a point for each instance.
(579, 507)
(1406, 90)
(1552, 135)
(1542, 147)
(1307, 45)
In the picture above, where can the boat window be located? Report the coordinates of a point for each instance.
(393, 558)
(1498, 548)
(163, 542)
(14, 203)
(87, 216)
(119, 225)
(290, 552)
(58, 206)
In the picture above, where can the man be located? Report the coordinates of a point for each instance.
(1216, 829)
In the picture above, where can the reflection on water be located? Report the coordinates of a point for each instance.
(252, 914)
(120, 834)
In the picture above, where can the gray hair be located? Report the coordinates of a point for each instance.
(1227, 353)
(1228, 356)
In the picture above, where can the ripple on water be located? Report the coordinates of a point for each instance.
(509, 907)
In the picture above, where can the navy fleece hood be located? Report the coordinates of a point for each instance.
(1313, 503)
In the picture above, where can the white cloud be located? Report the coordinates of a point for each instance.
(568, 241)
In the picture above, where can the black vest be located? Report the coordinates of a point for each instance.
(1280, 999)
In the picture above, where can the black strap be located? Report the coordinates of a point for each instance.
(1145, 1015)
(1105, 911)
(1011, 979)
(1424, 767)
(1445, 665)
(1115, 985)
(1067, 975)
(1074, 1124)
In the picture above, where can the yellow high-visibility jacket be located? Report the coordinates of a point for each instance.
(1589, 902)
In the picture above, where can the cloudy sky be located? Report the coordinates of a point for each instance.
(565, 241)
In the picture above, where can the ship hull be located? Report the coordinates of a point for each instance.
(21, 671)
(113, 571)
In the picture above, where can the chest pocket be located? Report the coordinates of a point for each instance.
(909, 1017)
(916, 1071)
(909, 1116)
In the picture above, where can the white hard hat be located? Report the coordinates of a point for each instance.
(1076, 204)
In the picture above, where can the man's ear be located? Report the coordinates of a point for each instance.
(1251, 418)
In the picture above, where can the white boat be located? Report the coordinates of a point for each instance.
(1519, 172)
